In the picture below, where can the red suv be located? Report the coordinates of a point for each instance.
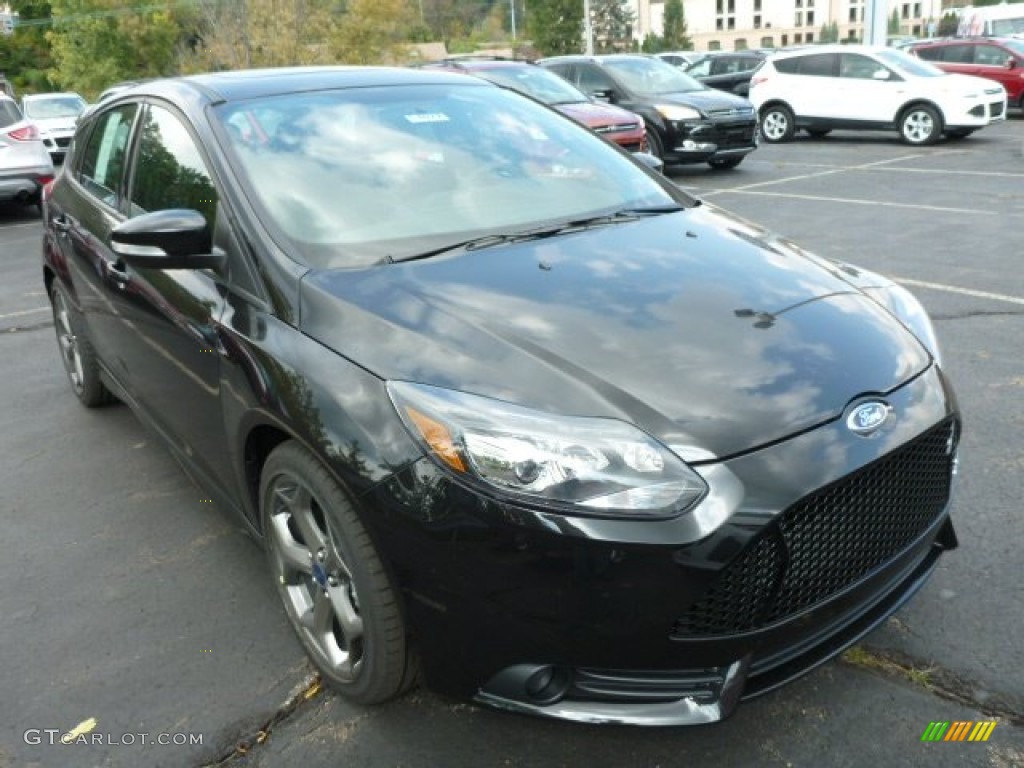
(618, 125)
(995, 58)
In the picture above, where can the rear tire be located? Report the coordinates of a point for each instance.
(920, 125)
(777, 123)
(961, 133)
(818, 133)
(76, 352)
(335, 589)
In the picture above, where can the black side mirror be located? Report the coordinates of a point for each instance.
(171, 239)
(1011, 63)
(604, 94)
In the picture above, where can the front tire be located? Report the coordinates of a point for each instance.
(76, 352)
(654, 144)
(335, 589)
(920, 125)
(777, 124)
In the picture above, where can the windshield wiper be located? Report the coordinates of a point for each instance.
(566, 227)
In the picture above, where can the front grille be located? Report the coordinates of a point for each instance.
(620, 128)
(830, 539)
(733, 136)
(997, 108)
(64, 141)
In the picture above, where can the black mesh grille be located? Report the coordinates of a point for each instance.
(829, 539)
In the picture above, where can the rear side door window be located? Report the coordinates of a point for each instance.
(958, 54)
(818, 65)
(101, 169)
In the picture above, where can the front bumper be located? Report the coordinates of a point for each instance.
(987, 109)
(701, 141)
(800, 549)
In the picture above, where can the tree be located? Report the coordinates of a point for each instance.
(829, 32)
(97, 42)
(612, 21)
(373, 32)
(894, 22)
(25, 54)
(257, 33)
(653, 44)
(675, 33)
(556, 26)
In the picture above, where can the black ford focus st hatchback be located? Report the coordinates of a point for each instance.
(510, 412)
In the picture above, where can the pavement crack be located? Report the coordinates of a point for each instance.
(937, 681)
(306, 691)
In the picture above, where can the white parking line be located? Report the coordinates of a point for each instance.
(962, 291)
(849, 201)
(24, 312)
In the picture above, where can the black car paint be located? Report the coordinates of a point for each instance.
(737, 132)
(226, 365)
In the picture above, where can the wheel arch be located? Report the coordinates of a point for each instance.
(776, 102)
(918, 102)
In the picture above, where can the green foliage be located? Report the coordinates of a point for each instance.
(829, 32)
(373, 32)
(677, 36)
(612, 21)
(556, 26)
(25, 55)
(894, 23)
(948, 25)
(653, 44)
(97, 42)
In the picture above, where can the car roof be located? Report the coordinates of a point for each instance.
(218, 87)
(39, 96)
(965, 40)
(479, 62)
(832, 48)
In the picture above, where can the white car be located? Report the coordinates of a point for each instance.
(25, 164)
(869, 88)
(55, 114)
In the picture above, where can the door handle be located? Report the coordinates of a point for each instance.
(61, 224)
(118, 272)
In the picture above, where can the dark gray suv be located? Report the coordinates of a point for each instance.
(687, 122)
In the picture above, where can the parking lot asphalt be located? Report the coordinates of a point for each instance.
(131, 606)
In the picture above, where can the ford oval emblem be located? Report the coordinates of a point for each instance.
(868, 417)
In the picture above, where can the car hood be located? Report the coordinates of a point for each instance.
(596, 115)
(960, 83)
(710, 100)
(702, 330)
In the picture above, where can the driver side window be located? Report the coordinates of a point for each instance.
(169, 171)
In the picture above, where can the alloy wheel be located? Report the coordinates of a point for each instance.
(314, 580)
(68, 341)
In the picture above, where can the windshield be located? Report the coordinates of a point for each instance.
(54, 106)
(536, 82)
(1017, 46)
(354, 177)
(651, 77)
(905, 64)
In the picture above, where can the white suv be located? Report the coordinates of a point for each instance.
(869, 88)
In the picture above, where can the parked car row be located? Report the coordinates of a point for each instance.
(994, 58)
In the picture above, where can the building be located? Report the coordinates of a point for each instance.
(728, 25)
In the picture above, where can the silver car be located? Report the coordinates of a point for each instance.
(55, 114)
(25, 164)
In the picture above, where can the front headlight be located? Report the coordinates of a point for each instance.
(575, 465)
(677, 112)
(908, 310)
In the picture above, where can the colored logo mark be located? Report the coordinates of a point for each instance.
(960, 730)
